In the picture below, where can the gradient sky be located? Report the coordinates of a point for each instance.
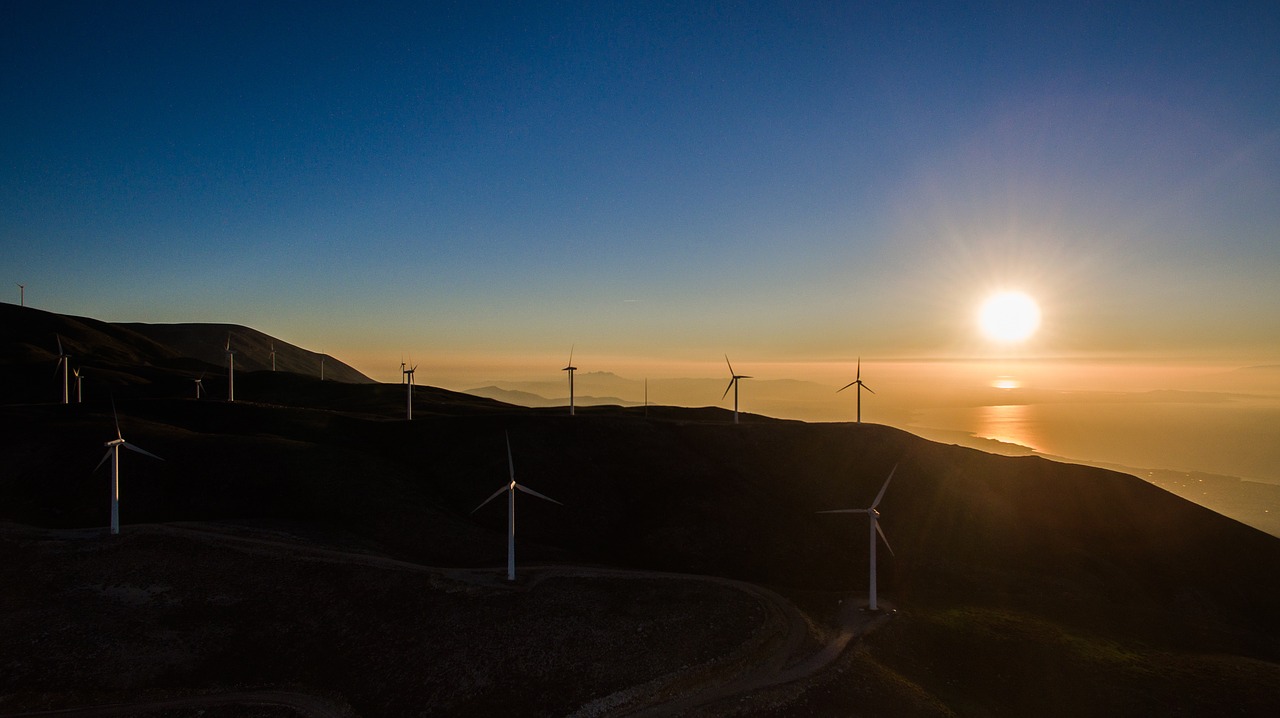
(656, 183)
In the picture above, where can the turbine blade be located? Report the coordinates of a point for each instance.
(530, 491)
(859, 374)
(571, 348)
(116, 417)
(127, 445)
(511, 464)
(727, 388)
(846, 386)
(726, 361)
(745, 376)
(496, 494)
(884, 538)
(882, 488)
(55, 336)
(104, 460)
(864, 386)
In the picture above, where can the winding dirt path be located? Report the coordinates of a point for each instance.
(769, 658)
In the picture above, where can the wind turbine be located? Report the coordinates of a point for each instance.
(231, 370)
(76, 373)
(403, 378)
(407, 380)
(511, 489)
(733, 384)
(199, 385)
(874, 517)
(113, 453)
(571, 369)
(857, 381)
(22, 295)
(273, 356)
(64, 362)
(321, 367)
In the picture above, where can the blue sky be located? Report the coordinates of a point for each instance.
(649, 180)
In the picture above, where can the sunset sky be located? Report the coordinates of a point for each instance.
(486, 184)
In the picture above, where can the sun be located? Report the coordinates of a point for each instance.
(1009, 317)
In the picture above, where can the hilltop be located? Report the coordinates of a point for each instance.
(307, 539)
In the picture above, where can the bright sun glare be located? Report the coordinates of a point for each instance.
(1009, 317)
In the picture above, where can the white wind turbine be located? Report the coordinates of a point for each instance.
(76, 373)
(231, 370)
(511, 489)
(571, 369)
(857, 381)
(407, 380)
(874, 517)
(733, 384)
(22, 295)
(273, 356)
(64, 363)
(199, 385)
(113, 453)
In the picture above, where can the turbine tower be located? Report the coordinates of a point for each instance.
(733, 384)
(22, 295)
(231, 370)
(571, 369)
(113, 453)
(511, 489)
(273, 356)
(321, 367)
(857, 381)
(64, 363)
(407, 380)
(874, 517)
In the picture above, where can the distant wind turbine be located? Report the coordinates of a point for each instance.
(76, 373)
(199, 385)
(403, 378)
(511, 489)
(571, 369)
(646, 396)
(113, 453)
(874, 517)
(857, 381)
(22, 295)
(733, 384)
(321, 367)
(231, 370)
(407, 380)
(273, 356)
(64, 363)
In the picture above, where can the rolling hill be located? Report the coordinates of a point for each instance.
(328, 530)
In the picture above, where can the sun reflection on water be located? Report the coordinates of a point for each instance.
(1010, 423)
(1006, 382)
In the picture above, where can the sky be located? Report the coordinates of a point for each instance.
(485, 185)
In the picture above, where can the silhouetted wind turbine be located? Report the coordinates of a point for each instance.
(273, 356)
(571, 369)
(64, 363)
(22, 295)
(76, 373)
(113, 453)
(733, 384)
(511, 489)
(321, 367)
(403, 378)
(874, 517)
(231, 370)
(407, 379)
(857, 381)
